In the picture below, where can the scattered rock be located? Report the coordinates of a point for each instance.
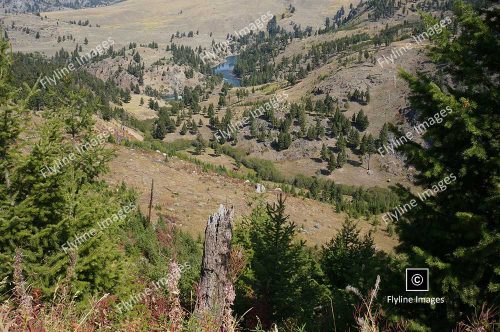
(259, 188)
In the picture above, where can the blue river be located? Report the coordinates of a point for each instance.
(226, 69)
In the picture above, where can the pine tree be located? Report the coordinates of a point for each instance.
(137, 57)
(284, 276)
(284, 141)
(348, 258)
(158, 130)
(216, 146)
(341, 158)
(367, 148)
(311, 133)
(332, 163)
(211, 112)
(336, 130)
(341, 143)
(320, 130)
(325, 153)
(46, 202)
(362, 121)
(222, 101)
(184, 129)
(353, 138)
(170, 124)
(77, 110)
(199, 145)
(383, 136)
(309, 105)
(455, 232)
(127, 97)
(253, 128)
(193, 128)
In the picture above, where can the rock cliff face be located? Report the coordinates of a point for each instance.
(35, 6)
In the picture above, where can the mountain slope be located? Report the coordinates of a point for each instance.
(35, 6)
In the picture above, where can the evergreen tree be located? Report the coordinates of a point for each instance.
(319, 129)
(199, 145)
(284, 275)
(193, 128)
(348, 258)
(455, 232)
(341, 158)
(222, 101)
(362, 121)
(77, 111)
(383, 136)
(170, 124)
(211, 112)
(253, 128)
(336, 130)
(367, 148)
(284, 141)
(45, 201)
(126, 96)
(341, 143)
(325, 153)
(137, 57)
(353, 138)
(216, 146)
(184, 129)
(332, 163)
(158, 130)
(311, 133)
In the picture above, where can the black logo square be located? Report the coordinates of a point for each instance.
(417, 279)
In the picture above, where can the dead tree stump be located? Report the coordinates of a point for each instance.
(214, 270)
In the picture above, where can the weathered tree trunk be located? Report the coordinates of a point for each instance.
(151, 200)
(214, 271)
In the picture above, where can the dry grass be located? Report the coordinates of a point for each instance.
(143, 21)
(141, 112)
(185, 192)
